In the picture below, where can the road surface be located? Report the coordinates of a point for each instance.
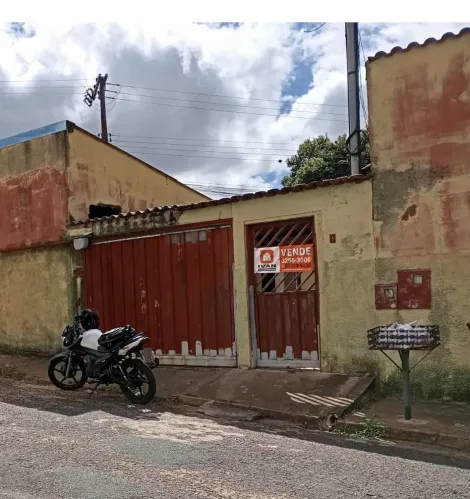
(61, 445)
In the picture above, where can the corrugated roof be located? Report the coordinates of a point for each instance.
(33, 134)
(413, 45)
(234, 199)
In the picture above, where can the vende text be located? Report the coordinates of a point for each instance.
(299, 251)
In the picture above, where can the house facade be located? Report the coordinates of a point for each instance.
(49, 177)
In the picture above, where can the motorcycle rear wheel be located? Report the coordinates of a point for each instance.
(139, 375)
(77, 365)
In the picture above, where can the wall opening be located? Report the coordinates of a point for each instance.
(103, 210)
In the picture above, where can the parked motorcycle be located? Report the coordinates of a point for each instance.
(117, 356)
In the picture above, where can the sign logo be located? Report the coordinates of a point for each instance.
(267, 256)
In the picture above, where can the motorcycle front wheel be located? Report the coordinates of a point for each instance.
(142, 385)
(57, 372)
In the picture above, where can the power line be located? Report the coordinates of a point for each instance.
(32, 94)
(222, 96)
(198, 150)
(132, 143)
(24, 81)
(237, 187)
(222, 103)
(204, 157)
(316, 29)
(43, 86)
(361, 90)
(229, 111)
(203, 140)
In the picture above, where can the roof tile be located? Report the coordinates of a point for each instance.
(412, 45)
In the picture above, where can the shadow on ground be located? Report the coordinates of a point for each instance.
(71, 404)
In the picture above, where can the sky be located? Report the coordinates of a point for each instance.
(219, 106)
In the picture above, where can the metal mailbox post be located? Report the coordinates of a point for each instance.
(403, 338)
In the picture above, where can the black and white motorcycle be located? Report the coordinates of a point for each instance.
(117, 356)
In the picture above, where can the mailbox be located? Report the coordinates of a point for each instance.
(414, 289)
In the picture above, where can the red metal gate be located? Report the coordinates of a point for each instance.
(177, 287)
(285, 303)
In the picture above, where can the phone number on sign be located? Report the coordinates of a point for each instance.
(297, 260)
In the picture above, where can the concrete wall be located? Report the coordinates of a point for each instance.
(100, 173)
(33, 192)
(419, 110)
(35, 298)
(345, 268)
(42, 182)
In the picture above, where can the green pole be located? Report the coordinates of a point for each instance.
(405, 362)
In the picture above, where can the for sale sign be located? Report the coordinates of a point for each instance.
(267, 260)
(294, 258)
(298, 258)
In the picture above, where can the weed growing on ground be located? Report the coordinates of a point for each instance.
(370, 429)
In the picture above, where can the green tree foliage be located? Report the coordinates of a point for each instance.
(321, 158)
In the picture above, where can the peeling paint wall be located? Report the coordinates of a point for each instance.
(419, 109)
(35, 301)
(102, 174)
(345, 267)
(33, 193)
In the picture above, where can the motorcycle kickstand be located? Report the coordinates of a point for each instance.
(94, 388)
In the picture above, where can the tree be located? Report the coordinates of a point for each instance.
(321, 158)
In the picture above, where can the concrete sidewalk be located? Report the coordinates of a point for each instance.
(441, 423)
(304, 396)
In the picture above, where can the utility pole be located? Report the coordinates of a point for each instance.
(99, 89)
(352, 55)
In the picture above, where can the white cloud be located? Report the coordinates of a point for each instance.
(253, 61)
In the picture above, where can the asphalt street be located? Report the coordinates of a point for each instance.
(62, 445)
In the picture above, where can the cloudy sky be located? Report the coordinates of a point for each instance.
(215, 105)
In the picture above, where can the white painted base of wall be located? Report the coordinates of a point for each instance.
(293, 364)
(197, 361)
(223, 357)
(270, 359)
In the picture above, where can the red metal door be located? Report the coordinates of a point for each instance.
(177, 287)
(285, 302)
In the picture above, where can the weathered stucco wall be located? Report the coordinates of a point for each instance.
(35, 298)
(345, 268)
(33, 192)
(102, 174)
(419, 109)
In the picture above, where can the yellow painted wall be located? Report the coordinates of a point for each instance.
(100, 173)
(28, 156)
(345, 268)
(419, 111)
(35, 298)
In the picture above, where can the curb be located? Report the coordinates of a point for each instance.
(313, 422)
(417, 436)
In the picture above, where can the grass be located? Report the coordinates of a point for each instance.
(370, 429)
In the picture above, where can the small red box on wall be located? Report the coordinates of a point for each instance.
(414, 289)
(386, 296)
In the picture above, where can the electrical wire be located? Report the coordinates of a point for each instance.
(24, 81)
(361, 90)
(316, 29)
(199, 150)
(133, 142)
(203, 140)
(229, 111)
(220, 103)
(204, 157)
(219, 95)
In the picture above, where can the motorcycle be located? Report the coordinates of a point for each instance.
(116, 356)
